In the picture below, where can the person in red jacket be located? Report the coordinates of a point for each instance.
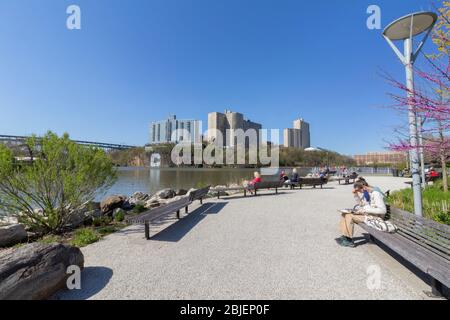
(256, 179)
(433, 173)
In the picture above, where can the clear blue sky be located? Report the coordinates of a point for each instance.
(137, 61)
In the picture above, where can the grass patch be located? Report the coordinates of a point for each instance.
(50, 239)
(83, 237)
(436, 202)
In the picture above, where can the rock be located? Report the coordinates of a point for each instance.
(36, 271)
(84, 214)
(12, 234)
(190, 191)
(111, 203)
(127, 205)
(138, 197)
(181, 192)
(166, 194)
(8, 220)
(152, 203)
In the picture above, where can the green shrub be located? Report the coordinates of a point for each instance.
(107, 230)
(101, 221)
(62, 176)
(119, 216)
(139, 208)
(436, 202)
(83, 237)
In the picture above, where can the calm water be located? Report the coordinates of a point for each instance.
(149, 180)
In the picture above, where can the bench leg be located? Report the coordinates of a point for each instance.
(186, 209)
(245, 192)
(436, 288)
(201, 200)
(218, 195)
(178, 214)
(147, 230)
(276, 190)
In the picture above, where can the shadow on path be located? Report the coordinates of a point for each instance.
(180, 228)
(93, 280)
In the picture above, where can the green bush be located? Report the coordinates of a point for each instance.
(101, 221)
(61, 177)
(436, 202)
(139, 208)
(83, 237)
(119, 216)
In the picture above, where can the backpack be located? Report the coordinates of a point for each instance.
(380, 224)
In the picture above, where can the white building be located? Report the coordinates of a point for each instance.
(299, 136)
(173, 130)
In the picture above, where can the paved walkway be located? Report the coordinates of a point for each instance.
(267, 247)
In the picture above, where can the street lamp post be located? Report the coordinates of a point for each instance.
(406, 28)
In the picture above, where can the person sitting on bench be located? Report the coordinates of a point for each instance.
(250, 186)
(294, 177)
(283, 176)
(376, 207)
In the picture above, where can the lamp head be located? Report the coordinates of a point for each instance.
(400, 29)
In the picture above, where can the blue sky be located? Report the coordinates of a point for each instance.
(141, 60)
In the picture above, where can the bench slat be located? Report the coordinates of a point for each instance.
(428, 262)
(395, 213)
(158, 212)
(424, 231)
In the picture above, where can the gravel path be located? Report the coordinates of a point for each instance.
(268, 247)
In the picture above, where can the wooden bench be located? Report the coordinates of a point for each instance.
(422, 242)
(267, 185)
(157, 213)
(314, 182)
(261, 185)
(348, 178)
(199, 194)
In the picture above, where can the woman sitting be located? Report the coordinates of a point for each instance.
(250, 186)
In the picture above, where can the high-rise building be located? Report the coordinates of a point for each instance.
(173, 130)
(227, 124)
(298, 136)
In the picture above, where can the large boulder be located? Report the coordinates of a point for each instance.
(84, 214)
(36, 271)
(12, 234)
(138, 198)
(152, 203)
(166, 194)
(110, 203)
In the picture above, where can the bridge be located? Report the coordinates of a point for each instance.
(102, 145)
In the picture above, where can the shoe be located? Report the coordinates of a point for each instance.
(348, 243)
